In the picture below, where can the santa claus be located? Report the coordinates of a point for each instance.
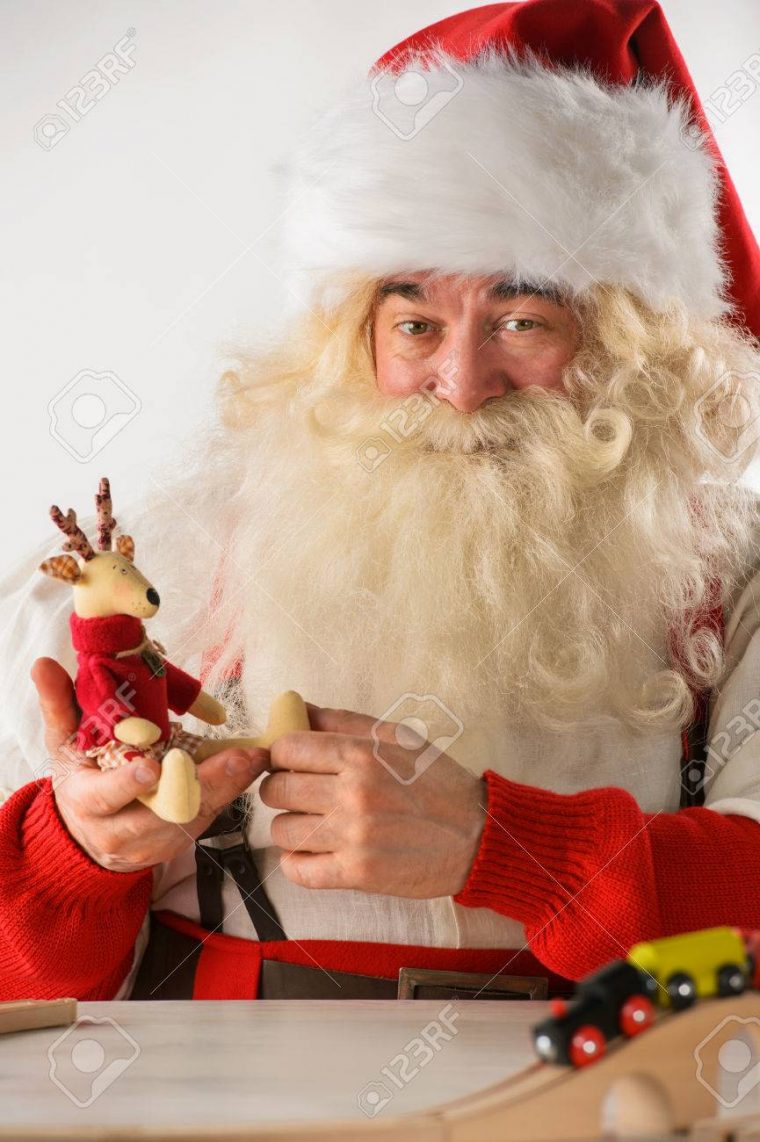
(480, 499)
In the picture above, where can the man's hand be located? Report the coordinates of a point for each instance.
(98, 806)
(351, 823)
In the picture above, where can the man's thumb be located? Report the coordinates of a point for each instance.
(226, 774)
(56, 696)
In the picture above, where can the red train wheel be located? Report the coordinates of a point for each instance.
(636, 1014)
(586, 1046)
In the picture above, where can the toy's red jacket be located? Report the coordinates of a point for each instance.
(110, 689)
(588, 874)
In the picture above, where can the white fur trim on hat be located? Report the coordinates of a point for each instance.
(504, 165)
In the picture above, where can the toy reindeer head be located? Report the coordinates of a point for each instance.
(105, 582)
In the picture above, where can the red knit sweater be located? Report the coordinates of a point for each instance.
(588, 874)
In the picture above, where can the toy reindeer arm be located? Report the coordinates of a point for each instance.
(186, 696)
(138, 732)
(208, 710)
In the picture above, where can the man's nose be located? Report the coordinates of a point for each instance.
(465, 374)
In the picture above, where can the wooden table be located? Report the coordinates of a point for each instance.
(334, 1071)
(210, 1065)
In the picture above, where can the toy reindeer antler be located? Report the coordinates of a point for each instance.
(125, 545)
(76, 538)
(65, 567)
(106, 521)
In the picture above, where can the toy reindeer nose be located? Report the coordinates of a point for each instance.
(153, 596)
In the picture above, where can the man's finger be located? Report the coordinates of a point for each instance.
(312, 752)
(300, 792)
(56, 696)
(307, 832)
(314, 870)
(105, 791)
(339, 721)
(349, 722)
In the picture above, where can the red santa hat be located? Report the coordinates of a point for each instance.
(560, 144)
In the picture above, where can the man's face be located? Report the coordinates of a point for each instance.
(479, 338)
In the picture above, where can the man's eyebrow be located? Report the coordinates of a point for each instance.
(503, 290)
(506, 289)
(412, 291)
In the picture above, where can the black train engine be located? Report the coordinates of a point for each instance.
(616, 1000)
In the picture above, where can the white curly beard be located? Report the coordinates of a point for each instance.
(499, 564)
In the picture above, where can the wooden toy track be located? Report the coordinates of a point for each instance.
(652, 1079)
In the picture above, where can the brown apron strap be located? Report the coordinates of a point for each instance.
(693, 756)
(694, 739)
(224, 848)
(167, 969)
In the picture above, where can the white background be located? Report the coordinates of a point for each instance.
(143, 239)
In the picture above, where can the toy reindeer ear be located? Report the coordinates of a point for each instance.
(63, 567)
(125, 545)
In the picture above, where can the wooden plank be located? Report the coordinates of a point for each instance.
(29, 1014)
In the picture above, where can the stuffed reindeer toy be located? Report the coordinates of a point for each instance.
(125, 685)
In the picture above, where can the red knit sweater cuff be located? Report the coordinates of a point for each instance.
(55, 866)
(539, 849)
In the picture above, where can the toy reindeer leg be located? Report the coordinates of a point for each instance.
(286, 714)
(177, 796)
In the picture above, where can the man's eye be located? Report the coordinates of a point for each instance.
(417, 324)
(520, 324)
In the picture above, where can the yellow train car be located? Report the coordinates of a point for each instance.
(693, 965)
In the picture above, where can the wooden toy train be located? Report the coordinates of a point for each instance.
(624, 997)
